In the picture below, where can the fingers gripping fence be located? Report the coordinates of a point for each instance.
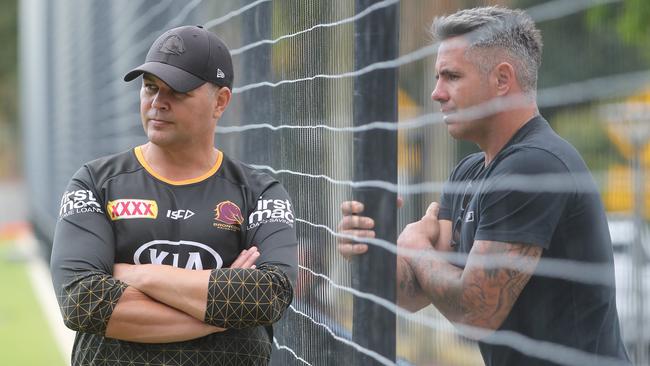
(332, 98)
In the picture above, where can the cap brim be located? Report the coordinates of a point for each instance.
(177, 79)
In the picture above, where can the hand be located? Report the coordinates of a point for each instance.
(354, 225)
(422, 234)
(246, 258)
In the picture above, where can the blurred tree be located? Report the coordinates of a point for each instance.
(582, 46)
(629, 18)
(8, 87)
(584, 128)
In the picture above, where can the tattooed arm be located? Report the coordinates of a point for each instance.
(410, 294)
(482, 294)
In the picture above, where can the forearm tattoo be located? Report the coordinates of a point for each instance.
(408, 285)
(497, 278)
(483, 293)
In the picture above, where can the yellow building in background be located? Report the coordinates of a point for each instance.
(628, 127)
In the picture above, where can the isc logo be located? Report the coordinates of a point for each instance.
(132, 209)
(179, 214)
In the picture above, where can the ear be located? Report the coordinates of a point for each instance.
(221, 100)
(504, 74)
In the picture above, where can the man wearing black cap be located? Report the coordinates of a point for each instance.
(172, 253)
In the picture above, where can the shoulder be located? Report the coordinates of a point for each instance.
(542, 148)
(535, 170)
(244, 175)
(529, 160)
(466, 165)
(106, 167)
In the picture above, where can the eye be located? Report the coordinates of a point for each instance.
(179, 95)
(150, 88)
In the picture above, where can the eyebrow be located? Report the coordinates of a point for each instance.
(447, 72)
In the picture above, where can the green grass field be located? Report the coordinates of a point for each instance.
(25, 337)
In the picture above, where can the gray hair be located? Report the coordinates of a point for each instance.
(497, 28)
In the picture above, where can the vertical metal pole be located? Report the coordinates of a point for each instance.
(639, 254)
(254, 66)
(375, 158)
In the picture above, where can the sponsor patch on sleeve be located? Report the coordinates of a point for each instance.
(79, 201)
(132, 209)
(269, 210)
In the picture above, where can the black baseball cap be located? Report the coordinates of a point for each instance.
(185, 58)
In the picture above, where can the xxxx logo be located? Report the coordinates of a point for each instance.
(132, 209)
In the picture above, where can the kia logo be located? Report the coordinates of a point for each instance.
(180, 254)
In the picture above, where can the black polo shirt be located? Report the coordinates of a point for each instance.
(538, 191)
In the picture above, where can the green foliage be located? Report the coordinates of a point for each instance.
(8, 60)
(586, 131)
(8, 87)
(585, 45)
(630, 19)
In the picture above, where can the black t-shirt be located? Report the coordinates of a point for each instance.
(117, 210)
(538, 191)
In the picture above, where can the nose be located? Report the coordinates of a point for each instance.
(439, 95)
(159, 101)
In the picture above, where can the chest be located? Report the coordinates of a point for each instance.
(198, 226)
(466, 210)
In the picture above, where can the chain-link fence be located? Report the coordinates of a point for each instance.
(333, 98)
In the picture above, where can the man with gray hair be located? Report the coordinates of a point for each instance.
(486, 72)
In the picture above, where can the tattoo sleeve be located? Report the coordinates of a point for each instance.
(407, 283)
(483, 293)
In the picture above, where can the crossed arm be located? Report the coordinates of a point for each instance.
(481, 295)
(160, 304)
(164, 304)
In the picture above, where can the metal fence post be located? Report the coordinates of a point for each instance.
(375, 158)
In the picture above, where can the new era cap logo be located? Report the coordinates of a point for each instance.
(220, 74)
(172, 45)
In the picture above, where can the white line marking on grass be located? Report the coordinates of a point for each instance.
(39, 276)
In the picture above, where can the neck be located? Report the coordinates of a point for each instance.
(179, 164)
(502, 127)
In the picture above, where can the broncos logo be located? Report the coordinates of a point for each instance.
(172, 45)
(228, 213)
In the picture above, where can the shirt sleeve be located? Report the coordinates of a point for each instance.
(520, 201)
(271, 227)
(240, 298)
(82, 259)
